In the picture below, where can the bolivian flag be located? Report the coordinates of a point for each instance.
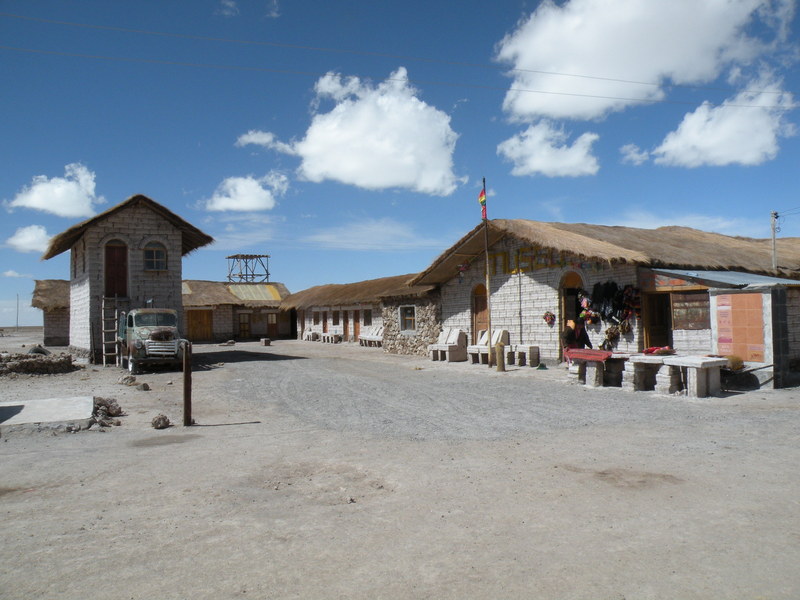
(482, 202)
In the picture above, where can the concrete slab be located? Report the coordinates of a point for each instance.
(47, 410)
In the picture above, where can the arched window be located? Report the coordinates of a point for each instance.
(155, 257)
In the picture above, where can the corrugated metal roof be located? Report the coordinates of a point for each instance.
(734, 279)
(255, 291)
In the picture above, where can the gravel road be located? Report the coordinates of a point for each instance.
(320, 471)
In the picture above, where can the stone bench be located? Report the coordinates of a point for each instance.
(694, 376)
(700, 375)
(522, 354)
(331, 337)
(640, 372)
(597, 368)
(482, 353)
(450, 347)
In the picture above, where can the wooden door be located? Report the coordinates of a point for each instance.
(198, 325)
(480, 311)
(657, 320)
(356, 324)
(116, 269)
(244, 326)
(345, 326)
(272, 325)
(324, 321)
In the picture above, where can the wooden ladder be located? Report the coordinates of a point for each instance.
(110, 316)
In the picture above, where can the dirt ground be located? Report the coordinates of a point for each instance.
(322, 471)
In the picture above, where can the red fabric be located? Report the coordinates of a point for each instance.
(586, 354)
(659, 349)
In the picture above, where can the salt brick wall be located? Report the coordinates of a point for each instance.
(136, 226)
(692, 341)
(538, 290)
(377, 320)
(56, 324)
(793, 321)
(222, 323)
(79, 302)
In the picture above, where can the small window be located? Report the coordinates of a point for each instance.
(316, 318)
(155, 257)
(367, 318)
(408, 318)
(691, 310)
(272, 318)
(335, 317)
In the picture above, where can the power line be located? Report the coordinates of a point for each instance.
(376, 54)
(791, 211)
(414, 81)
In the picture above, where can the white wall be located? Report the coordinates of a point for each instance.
(519, 300)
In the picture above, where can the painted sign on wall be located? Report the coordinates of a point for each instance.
(740, 326)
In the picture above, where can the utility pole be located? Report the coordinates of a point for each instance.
(774, 226)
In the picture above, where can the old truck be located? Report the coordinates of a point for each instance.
(149, 336)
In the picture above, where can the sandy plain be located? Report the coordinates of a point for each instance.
(337, 471)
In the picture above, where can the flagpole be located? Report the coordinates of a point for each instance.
(488, 284)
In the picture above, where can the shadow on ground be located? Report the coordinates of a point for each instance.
(209, 360)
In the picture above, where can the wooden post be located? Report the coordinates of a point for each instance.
(187, 384)
(500, 356)
(488, 292)
(773, 226)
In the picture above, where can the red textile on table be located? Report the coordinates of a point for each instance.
(587, 354)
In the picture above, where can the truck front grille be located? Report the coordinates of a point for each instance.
(161, 348)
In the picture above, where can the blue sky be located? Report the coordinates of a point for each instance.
(348, 139)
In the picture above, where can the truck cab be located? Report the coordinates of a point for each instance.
(149, 336)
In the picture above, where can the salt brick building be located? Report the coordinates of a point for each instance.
(408, 314)
(129, 256)
(698, 292)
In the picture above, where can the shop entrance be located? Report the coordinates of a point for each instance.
(480, 311)
(570, 305)
(657, 320)
(571, 284)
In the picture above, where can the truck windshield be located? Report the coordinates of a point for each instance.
(155, 320)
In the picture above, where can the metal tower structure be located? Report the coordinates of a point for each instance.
(248, 268)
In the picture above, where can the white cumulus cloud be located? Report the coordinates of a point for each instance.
(70, 196)
(632, 154)
(32, 238)
(12, 273)
(542, 149)
(585, 58)
(248, 193)
(743, 130)
(265, 139)
(375, 137)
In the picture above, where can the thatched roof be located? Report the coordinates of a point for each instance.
(361, 292)
(192, 238)
(50, 294)
(197, 293)
(676, 247)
